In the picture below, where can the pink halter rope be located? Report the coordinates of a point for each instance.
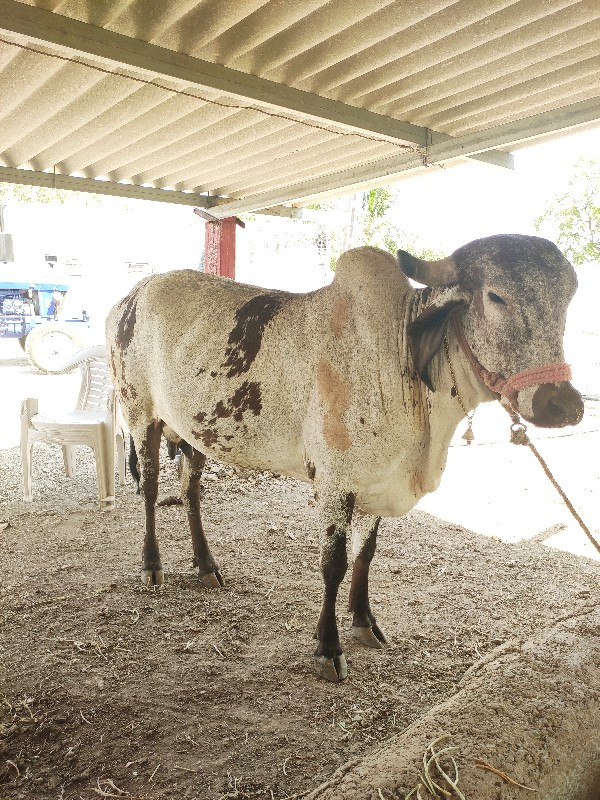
(511, 386)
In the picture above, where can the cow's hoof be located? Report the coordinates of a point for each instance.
(212, 580)
(370, 637)
(152, 576)
(332, 669)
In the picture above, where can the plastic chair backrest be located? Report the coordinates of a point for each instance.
(96, 391)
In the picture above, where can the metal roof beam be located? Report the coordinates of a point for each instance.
(74, 37)
(51, 180)
(54, 180)
(389, 169)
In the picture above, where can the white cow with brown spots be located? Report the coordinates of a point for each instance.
(349, 387)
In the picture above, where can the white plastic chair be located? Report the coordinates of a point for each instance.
(93, 422)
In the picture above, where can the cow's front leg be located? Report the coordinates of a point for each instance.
(364, 624)
(208, 569)
(148, 446)
(335, 513)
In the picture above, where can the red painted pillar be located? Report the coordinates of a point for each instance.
(219, 244)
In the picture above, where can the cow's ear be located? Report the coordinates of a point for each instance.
(426, 334)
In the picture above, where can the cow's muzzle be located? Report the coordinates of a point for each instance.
(555, 405)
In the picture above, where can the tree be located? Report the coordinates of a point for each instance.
(395, 240)
(375, 204)
(30, 194)
(369, 223)
(24, 193)
(575, 215)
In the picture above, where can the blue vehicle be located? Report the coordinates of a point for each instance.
(32, 311)
(24, 305)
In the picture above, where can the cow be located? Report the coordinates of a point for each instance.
(356, 387)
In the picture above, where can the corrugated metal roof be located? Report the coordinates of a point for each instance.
(272, 101)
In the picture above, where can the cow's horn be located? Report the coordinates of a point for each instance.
(442, 272)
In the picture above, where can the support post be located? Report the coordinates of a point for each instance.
(219, 244)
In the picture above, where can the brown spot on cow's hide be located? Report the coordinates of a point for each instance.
(311, 470)
(339, 314)
(246, 398)
(126, 326)
(334, 391)
(113, 364)
(208, 437)
(245, 338)
(128, 392)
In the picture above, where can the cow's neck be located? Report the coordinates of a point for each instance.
(465, 381)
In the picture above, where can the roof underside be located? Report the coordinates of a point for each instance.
(252, 104)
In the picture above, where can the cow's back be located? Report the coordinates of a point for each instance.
(226, 365)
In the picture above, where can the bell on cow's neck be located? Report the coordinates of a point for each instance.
(468, 435)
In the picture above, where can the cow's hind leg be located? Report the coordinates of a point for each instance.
(208, 569)
(336, 514)
(364, 624)
(147, 446)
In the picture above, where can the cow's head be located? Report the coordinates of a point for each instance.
(511, 293)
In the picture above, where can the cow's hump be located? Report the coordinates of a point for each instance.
(365, 268)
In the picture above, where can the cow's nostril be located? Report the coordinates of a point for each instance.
(556, 405)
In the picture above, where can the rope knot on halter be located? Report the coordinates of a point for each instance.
(510, 387)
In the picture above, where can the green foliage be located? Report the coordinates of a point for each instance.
(323, 205)
(575, 215)
(375, 226)
(21, 193)
(31, 194)
(397, 240)
(380, 231)
(375, 204)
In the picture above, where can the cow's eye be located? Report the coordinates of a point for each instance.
(495, 298)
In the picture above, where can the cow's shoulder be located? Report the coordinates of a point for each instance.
(369, 269)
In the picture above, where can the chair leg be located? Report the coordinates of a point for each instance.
(28, 409)
(120, 446)
(104, 453)
(69, 460)
(26, 456)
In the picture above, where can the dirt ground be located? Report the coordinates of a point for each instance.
(109, 689)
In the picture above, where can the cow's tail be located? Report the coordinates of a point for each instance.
(172, 448)
(134, 463)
